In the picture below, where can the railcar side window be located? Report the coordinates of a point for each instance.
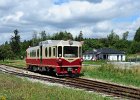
(37, 52)
(30, 54)
(50, 51)
(70, 51)
(59, 51)
(41, 52)
(33, 53)
(54, 51)
(46, 52)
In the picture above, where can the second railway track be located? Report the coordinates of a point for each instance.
(90, 85)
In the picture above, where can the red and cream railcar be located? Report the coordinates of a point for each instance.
(59, 56)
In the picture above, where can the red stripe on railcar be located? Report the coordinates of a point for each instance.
(61, 68)
(53, 61)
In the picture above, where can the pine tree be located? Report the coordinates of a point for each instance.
(43, 36)
(137, 35)
(125, 35)
(80, 36)
(35, 39)
(76, 38)
(112, 38)
(15, 43)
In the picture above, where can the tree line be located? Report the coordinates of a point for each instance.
(15, 49)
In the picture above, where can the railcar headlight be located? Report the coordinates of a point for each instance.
(59, 60)
(82, 59)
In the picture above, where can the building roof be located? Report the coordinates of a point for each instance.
(104, 51)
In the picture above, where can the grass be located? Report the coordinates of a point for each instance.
(100, 62)
(117, 75)
(13, 88)
(16, 63)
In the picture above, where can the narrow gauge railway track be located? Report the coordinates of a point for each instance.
(118, 90)
(23, 68)
(90, 85)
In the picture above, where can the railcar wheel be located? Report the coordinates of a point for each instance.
(35, 69)
(72, 76)
(30, 68)
(56, 75)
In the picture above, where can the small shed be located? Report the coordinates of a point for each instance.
(104, 54)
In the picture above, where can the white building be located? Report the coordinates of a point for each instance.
(105, 54)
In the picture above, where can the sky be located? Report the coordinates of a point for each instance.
(95, 18)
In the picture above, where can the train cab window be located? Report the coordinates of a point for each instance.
(70, 51)
(37, 52)
(50, 51)
(54, 51)
(60, 51)
(46, 52)
(80, 52)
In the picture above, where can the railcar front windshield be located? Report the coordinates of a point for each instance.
(70, 51)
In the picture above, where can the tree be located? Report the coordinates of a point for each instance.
(24, 45)
(6, 42)
(112, 38)
(80, 36)
(135, 47)
(122, 45)
(76, 38)
(6, 52)
(90, 44)
(137, 35)
(34, 39)
(62, 36)
(125, 35)
(43, 36)
(104, 41)
(2, 53)
(15, 43)
(70, 37)
(48, 36)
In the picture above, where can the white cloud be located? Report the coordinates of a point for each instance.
(93, 17)
(13, 17)
(104, 26)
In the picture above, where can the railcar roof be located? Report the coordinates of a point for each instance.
(33, 48)
(56, 43)
(60, 42)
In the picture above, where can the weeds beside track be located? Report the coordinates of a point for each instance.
(90, 85)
